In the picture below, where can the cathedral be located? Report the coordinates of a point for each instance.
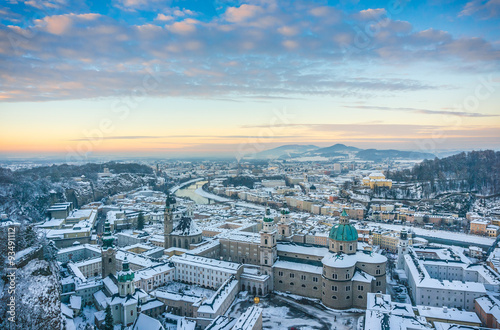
(340, 275)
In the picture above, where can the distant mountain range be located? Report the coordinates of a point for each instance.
(339, 151)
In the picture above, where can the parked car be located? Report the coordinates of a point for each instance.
(401, 296)
(398, 289)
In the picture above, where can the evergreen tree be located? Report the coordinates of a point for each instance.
(108, 319)
(140, 221)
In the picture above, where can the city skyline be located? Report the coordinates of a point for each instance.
(161, 78)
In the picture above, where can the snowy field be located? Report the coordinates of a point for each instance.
(288, 311)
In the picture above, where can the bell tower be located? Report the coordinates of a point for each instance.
(126, 280)
(168, 220)
(268, 250)
(108, 253)
(284, 229)
(402, 248)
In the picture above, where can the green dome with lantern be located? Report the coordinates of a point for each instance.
(284, 209)
(267, 217)
(344, 231)
(126, 274)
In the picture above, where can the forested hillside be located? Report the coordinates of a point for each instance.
(475, 171)
(26, 194)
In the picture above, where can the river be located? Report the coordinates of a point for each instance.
(189, 191)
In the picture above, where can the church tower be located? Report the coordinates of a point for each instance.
(284, 228)
(268, 250)
(126, 280)
(168, 220)
(402, 248)
(108, 253)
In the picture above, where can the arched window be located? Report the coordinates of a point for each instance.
(334, 297)
(360, 297)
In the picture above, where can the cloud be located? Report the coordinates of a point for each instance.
(481, 8)
(369, 14)
(277, 50)
(425, 111)
(242, 13)
(154, 137)
(163, 17)
(184, 27)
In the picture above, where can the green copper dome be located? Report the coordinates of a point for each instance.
(343, 232)
(267, 217)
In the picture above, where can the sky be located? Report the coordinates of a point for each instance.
(179, 77)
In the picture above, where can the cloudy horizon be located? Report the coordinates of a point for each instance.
(152, 77)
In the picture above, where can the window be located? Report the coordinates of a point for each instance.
(350, 247)
(334, 297)
(280, 281)
(348, 297)
(360, 297)
(377, 272)
(346, 276)
(303, 285)
(292, 275)
(291, 283)
(334, 288)
(341, 247)
(280, 273)
(303, 277)
(378, 283)
(315, 288)
(360, 288)
(334, 276)
(348, 288)
(315, 279)
(265, 241)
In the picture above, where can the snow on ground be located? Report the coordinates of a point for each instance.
(86, 317)
(188, 289)
(285, 311)
(473, 239)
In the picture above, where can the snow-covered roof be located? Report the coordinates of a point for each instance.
(146, 322)
(75, 302)
(448, 314)
(298, 267)
(213, 304)
(186, 227)
(110, 285)
(214, 264)
(349, 260)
